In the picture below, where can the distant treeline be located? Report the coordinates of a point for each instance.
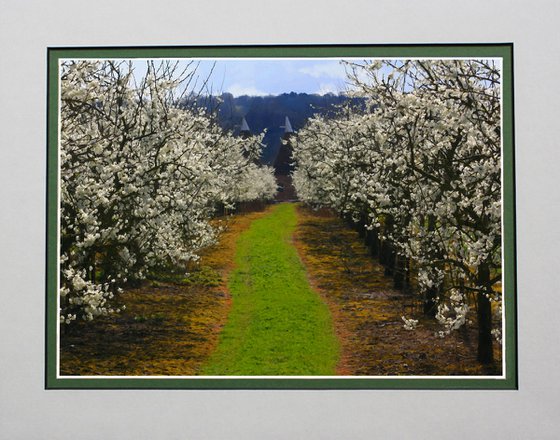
(269, 112)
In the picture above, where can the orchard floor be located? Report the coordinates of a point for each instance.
(177, 326)
(368, 312)
(169, 328)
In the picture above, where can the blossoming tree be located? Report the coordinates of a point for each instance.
(140, 178)
(421, 165)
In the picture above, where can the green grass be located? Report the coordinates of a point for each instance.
(277, 325)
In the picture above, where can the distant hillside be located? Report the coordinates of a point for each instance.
(269, 112)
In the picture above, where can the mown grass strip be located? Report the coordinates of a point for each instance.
(277, 325)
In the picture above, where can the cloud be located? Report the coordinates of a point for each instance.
(240, 90)
(330, 70)
(325, 88)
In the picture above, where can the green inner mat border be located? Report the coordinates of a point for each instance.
(485, 50)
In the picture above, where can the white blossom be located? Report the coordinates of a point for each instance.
(141, 178)
(419, 164)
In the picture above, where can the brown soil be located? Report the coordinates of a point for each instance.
(168, 328)
(367, 311)
(171, 328)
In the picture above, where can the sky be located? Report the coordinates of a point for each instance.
(256, 77)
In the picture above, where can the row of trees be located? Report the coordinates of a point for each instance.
(420, 171)
(141, 176)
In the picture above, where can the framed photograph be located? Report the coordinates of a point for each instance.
(281, 217)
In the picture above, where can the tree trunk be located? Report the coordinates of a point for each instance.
(430, 304)
(430, 301)
(382, 251)
(373, 242)
(362, 231)
(368, 238)
(400, 275)
(389, 258)
(484, 315)
(387, 251)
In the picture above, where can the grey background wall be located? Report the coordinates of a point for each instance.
(28, 412)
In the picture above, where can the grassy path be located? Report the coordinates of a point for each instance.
(169, 328)
(277, 325)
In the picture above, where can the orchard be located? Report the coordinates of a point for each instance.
(153, 185)
(418, 169)
(141, 177)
